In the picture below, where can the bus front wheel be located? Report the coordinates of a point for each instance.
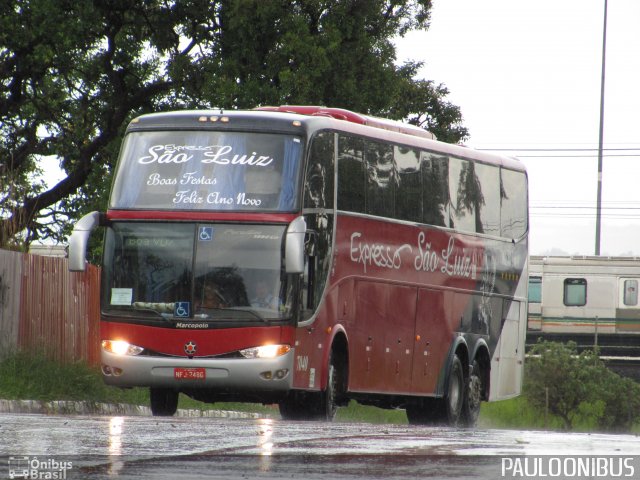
(319, 405)
(328, 405)
(164, 402)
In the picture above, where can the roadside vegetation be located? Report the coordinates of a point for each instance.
(563, 390)
(567, 390)
(579, 390)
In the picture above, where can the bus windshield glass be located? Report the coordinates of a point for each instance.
(196, 272)
(208, 170)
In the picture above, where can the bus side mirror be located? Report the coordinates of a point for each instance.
(294, 246)
(79, 239)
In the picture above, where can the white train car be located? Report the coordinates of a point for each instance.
(590, 300)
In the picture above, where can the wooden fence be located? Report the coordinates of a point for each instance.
(46, 308)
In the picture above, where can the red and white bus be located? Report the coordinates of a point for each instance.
(309, 256)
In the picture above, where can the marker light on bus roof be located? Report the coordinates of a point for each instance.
(120, 347)
(265, 351)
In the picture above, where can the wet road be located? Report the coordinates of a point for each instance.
(184, 447)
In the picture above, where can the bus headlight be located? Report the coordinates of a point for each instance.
(120, 347)
(265, 351)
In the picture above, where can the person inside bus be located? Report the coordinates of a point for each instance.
(263, 297)
(211, 298)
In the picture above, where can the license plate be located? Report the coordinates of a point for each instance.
(189, 373)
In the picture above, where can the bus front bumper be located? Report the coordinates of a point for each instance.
(237, 374)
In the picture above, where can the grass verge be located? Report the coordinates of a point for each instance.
(35, 377)
(25, 376)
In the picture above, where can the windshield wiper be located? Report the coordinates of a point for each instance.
(251, 311)
(164, 310)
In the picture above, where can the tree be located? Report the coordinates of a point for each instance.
(558, 375)
(578, 386)
(74, 73)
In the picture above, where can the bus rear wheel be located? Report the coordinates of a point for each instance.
(473, 396)
(426, 411)
(456, 391)
(164, 402)
(446, 410)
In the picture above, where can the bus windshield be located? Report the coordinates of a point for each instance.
(208, 170)
(196, 272)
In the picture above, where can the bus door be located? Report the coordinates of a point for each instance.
(508, 360)
(399, 337)
(433, 335)
(382, 338)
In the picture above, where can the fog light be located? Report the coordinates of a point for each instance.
(266, 375)
(106, 370)
(280, 374)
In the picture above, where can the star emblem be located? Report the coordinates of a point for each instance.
(190, 348)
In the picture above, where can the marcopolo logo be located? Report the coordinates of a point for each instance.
(38, 468)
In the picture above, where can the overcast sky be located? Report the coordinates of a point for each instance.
(526, 76)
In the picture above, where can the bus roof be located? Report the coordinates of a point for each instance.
(349, 116)
(306, 119)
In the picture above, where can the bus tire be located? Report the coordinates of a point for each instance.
(425, 411)
(323, 405)
(164, 401)
(442, 411)
(329, 397)
(473, 396)
(455, 392)
(294, 407)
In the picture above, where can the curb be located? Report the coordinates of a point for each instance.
(68, 407)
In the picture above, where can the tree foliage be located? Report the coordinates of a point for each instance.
(579, 388)
(74, 73)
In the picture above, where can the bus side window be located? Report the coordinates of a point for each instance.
(631, 293)
(466, 195)
(488, 206)
(575, 292)
(319, 175)
(380, 196)
(435, 185)
(318, 203)
(351, 186)
(513, 203)
(409, 184)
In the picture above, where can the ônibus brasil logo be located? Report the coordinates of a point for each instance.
(28, 467)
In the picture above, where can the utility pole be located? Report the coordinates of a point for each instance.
(601, 135)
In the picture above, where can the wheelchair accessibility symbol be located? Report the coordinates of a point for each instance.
(205, 234)
(181, 310)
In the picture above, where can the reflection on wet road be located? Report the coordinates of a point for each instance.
(150, 447)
